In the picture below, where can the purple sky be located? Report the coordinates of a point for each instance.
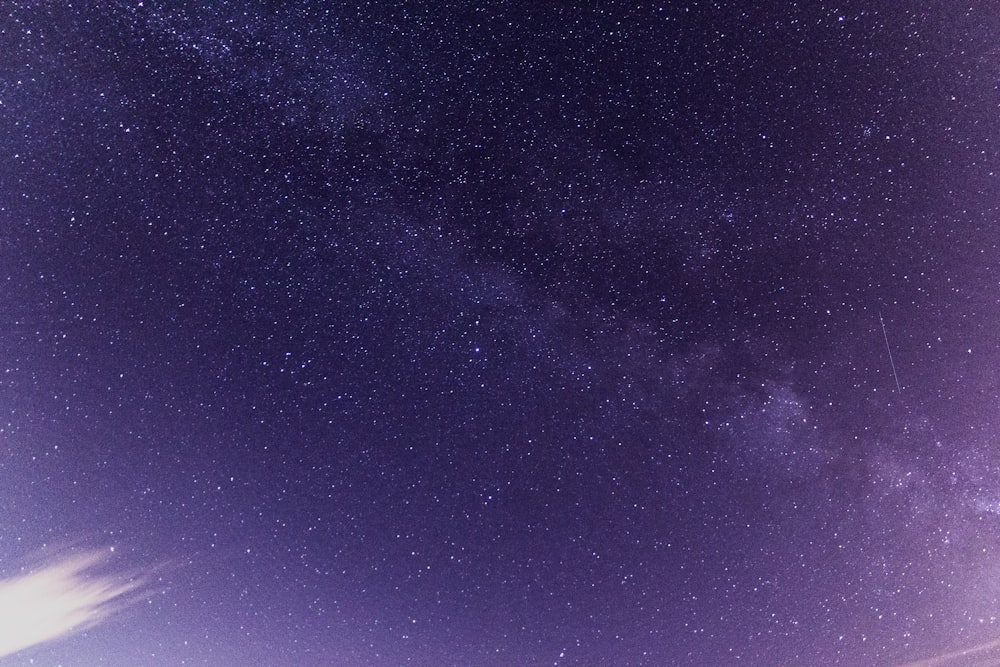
(500, 333)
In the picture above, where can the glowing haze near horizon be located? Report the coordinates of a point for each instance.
(502, 334)
(58, 599)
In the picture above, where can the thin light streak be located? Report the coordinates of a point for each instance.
(889, 350)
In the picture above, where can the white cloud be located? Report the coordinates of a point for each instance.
(60, 598)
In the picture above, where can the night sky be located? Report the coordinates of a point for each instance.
(493, 333)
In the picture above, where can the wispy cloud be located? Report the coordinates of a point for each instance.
(61, 597)
(984, 654)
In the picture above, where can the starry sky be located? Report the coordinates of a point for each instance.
(493, 333)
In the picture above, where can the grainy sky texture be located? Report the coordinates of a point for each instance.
(492, 333)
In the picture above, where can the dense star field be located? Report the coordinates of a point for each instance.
(492, 333)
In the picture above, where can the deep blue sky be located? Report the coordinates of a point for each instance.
(488, 334)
